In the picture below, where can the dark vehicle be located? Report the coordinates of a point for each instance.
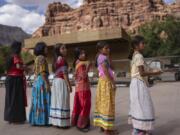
(177, 75)
(175, 69)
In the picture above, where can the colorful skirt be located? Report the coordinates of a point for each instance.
(141, 106)
(81, 109)
(60, 104)
(104, 116)
(14, 100)
(40, 103)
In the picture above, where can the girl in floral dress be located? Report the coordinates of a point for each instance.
(104, 116)
(40, 101)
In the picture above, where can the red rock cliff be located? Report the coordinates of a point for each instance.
(96, 14)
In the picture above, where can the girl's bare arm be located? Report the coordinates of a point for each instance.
(144, 73)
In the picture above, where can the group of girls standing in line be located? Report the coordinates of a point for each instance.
(51, 105)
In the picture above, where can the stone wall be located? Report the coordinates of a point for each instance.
(97, 14)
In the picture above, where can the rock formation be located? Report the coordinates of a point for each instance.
(97, 14)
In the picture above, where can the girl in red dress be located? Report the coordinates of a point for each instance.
(82, 98)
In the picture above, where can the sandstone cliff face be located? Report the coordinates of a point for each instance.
(8, 34)
(97, 14)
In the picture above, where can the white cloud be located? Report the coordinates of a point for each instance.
(79, 3)
(14, 15)
(29, 20)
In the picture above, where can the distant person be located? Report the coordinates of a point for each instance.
(104, 115)
(40, 101)
(141, 106)
(82, 98)
(15, 99)
(61, 89)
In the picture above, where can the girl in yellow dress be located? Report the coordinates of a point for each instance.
(105, 96)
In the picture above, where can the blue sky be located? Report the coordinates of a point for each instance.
(2, 2)
(169, 1)
(29, 14)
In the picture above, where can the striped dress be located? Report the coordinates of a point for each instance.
(60, 97)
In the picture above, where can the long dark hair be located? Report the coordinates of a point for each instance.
(100, 45)
(40, 49)
(16, 47)
(134, 43)
(56, 53)
(77, 53)
(15, 50)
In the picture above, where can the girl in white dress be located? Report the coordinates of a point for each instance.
(60, 92)
(141, 106)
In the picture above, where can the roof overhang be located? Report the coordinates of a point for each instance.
(80, 37)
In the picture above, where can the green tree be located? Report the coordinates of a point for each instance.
(27, 56)
(4, 52)
(1, 65)
(162, 38)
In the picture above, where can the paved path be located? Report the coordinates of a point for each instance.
(166, 98)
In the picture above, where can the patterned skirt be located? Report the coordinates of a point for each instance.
(104, 115)
(141, 106)
(40, 103)
(60, 104)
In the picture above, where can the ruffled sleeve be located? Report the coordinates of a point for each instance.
(102, 59)
(139, 60)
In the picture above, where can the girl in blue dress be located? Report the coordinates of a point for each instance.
(40, 104)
